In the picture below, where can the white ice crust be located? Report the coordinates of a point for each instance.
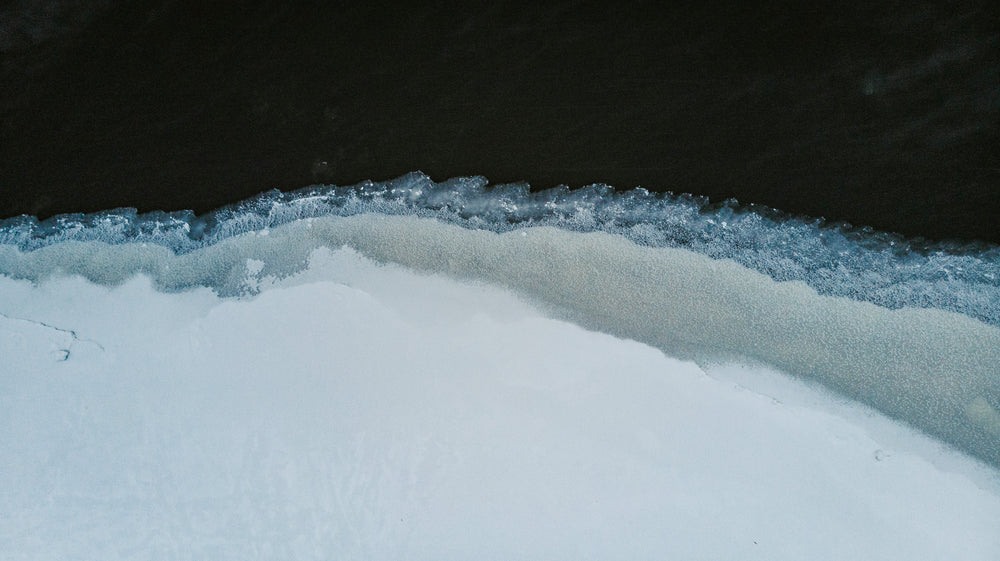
(357, 410)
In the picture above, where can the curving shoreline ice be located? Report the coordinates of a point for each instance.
(419, 370)
(356, 410)
(833, 259)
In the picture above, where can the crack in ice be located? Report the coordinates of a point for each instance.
(72, 333)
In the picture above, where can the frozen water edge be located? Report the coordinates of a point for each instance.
(356, 410)
(833, 259)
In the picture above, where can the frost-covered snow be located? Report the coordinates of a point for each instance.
(363, 411)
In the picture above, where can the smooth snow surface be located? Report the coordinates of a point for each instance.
(355, 410)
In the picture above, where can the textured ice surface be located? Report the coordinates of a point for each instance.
(834, 259)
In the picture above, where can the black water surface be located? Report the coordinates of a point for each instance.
(885, 115)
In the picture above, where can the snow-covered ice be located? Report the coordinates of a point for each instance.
(363, 410)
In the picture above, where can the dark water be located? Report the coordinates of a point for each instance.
(883, 115)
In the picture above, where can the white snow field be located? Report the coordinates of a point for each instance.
(414, 393)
